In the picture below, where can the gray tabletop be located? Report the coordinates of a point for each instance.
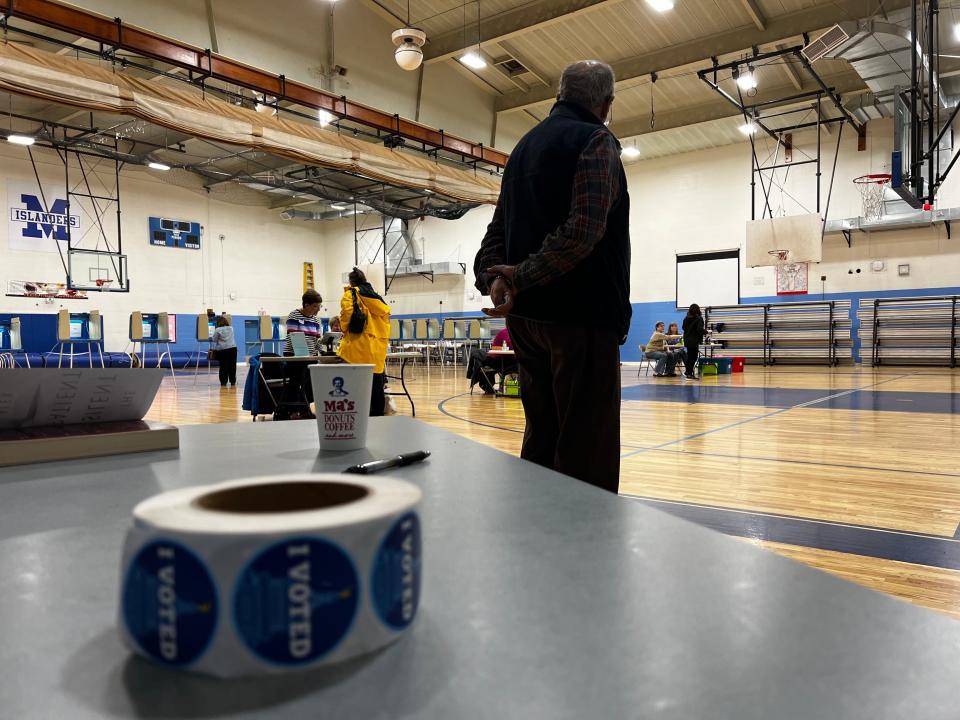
(542, 598)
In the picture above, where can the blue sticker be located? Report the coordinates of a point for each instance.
(395, 585)
(170, 602)
(296, 600)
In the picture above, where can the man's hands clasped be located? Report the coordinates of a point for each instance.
(502, 290)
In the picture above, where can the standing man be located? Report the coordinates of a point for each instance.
(556, 263)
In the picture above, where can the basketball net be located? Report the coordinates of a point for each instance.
(871, 189)
(792, 278)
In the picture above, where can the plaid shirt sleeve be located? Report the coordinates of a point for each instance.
(596, 186)
(492, 251)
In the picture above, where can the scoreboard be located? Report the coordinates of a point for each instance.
(165, 232)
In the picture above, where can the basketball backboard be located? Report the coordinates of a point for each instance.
(801, 235)
(94, 270)
(910, 188)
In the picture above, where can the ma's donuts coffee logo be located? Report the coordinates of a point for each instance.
(340, 414)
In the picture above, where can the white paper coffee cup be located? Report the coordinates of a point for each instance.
(342, 396)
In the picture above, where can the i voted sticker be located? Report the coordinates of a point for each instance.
(296, 600)
(395, 585)
(170, 602)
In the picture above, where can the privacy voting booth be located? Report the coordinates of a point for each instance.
(83, 329)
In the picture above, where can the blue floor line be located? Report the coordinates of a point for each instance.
(859, 398)
(883, 543)
(442, 409)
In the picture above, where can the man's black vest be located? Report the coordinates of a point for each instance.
(535, 198)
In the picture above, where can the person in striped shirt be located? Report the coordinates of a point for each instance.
(304, 320)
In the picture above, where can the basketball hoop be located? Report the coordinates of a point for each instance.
(791, 277)
(871, 189)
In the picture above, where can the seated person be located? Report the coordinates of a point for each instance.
(675, 340)
(480, 371)
(302, 320)
(657, 349)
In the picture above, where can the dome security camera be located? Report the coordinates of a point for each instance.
(408, 54)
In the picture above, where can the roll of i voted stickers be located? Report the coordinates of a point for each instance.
(271, 574)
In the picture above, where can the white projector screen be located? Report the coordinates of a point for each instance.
(708, 279)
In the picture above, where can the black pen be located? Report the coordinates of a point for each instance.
(398, 461)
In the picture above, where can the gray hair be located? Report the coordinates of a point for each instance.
(588, 83)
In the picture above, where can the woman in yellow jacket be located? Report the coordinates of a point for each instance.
(370, 345)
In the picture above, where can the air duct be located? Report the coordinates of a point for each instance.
(292, 214)
(880, 52)
(403, 248)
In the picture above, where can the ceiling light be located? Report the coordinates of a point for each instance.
(661, 5)
(408, 53)
(473, 60)
(630, 151)
(325, 118)
(747, 80)
(20, 139)
(748, 128)
(956, 32)
(158, 166)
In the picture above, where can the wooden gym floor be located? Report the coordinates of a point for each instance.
(853, 470)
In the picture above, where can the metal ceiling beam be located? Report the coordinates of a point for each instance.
(117, 35)
(385, 13)
(212, 26)
(506, 25)
(733, 41)
(531, 69)
(756, 15)
(792, 75)
(844, 84)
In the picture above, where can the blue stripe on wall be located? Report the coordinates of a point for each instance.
(40, 329)
(646, 314)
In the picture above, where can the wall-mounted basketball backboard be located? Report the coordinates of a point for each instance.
(799, 235)
(100, 271)
(913, 187)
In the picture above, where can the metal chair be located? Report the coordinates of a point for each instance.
(454, 338)
(394, 338)
(473, 333)
(486, 335)
(420, 335)
(644, 360)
